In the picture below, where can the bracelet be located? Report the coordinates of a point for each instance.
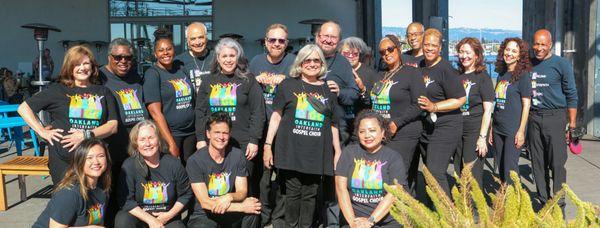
(268, 144)
(435, 107)
(483, 136)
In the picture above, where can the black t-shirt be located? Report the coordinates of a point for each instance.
(219, 178)
(304, 142)
(366, 173)
(241, 98)
(410, 60)
(128, 93)
(479, 88)
(166, 184)
(508, 104)
(369, 76)
(74, 108)
(68, 207)
(173, 89)
(397, 100)
(196, 68)
(339, 70)
(261, 66)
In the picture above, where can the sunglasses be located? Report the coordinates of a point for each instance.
(273, 40)
(118, 58)
(316, 61)
(349, 54)
(389, 49)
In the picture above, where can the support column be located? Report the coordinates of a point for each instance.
(433, 14)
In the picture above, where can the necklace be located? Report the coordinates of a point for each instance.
(195, 63)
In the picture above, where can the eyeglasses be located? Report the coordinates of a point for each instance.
(118, 58)
(387, 50)
(315, 61)
(414, 34)
(350, 54)
(328, 37)
(273, 40)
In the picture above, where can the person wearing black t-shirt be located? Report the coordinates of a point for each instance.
(444, 96)
(169, 97)
(269, 70)
(304, 127)
(126, 86)
(218, 177)
(513, 100)
(414, 36)
(153, 185)
(231, 88)
(359, 55)
(477, 111)
(395, 98)
(196, 61)
(79, 109)
(80, 199)
(363, 169)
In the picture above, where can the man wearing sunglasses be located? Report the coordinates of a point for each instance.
(126, 86)
(196, 60)
(340, 80)
(270, 69)
(414, 37)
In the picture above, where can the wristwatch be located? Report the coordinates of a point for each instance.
(88, 134)
(371, 219)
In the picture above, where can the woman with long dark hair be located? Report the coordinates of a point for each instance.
(513, 100)
(307, 145)
(154, 186)
(363, 169)
(79, 108)
(81, 197)
(169, 95)
(477, 111)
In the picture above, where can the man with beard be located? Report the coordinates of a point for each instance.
(126, 86)
(554, 102)
(197, 59)
(340, 80)
(270, 69)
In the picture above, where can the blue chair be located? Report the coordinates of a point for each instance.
(17, 124)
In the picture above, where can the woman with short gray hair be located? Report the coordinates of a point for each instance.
(305, 121)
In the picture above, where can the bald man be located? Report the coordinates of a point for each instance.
(414, 37)
(554, 105)
(197, 58)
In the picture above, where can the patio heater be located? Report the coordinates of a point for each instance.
(140, 43)
(40, 34)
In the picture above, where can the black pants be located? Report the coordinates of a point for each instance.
(271, 200)
(300, 192)
(57, 164)
(126, 220)
(465, 151)
(506, 157)
(227, 220)
(546, 136)
(407, 147)
(186, 145)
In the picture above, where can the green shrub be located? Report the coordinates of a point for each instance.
(510, 206)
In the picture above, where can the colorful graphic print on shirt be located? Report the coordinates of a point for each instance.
(307, 120)
(223, 97)
(85, 111)
(381, 102)
(156, 196)
(95, 214)
(218, 184)
(535, 84)
(501, 88)
(183, 93)
(367, 181)
(427, 80)
(131, 105)
(467, 84)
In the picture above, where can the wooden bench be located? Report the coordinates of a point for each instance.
(21, 165)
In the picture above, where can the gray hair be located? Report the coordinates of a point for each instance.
(187, 29)
(241, 69)
(358, 44)
(296, 68)
(120, 42)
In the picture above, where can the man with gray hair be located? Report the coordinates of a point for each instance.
(196, 60)
(126, 86)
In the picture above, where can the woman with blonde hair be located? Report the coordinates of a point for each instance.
(79, 108)
(153, 185)
(80, 198)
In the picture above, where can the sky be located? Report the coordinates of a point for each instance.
(500, 14)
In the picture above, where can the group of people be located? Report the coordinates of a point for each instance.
(242, 143)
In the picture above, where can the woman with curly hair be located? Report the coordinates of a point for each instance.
(513, 99)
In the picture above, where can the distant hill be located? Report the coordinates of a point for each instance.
(459, 33)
